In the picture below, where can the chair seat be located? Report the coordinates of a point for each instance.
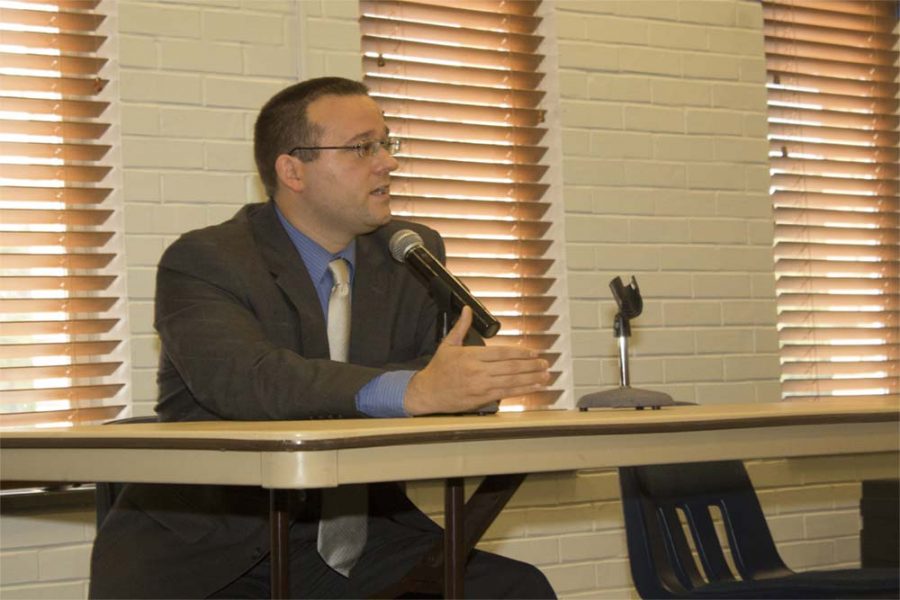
(840, 583)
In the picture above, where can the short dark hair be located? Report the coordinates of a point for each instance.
(282, 123)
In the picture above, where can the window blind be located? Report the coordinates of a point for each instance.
(459, 82)
(60, 310)
(832, 103)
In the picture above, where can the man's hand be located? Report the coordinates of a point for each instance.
(464, 378)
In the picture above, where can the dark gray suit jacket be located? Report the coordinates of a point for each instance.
(244, 338)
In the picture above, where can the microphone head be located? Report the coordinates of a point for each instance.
(402, 242)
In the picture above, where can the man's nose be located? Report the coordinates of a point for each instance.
(385, 161)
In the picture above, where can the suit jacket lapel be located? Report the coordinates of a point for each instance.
(292, 277)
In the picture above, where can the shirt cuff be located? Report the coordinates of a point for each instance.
(383, 396)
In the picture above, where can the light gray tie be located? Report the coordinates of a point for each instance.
(343, 523)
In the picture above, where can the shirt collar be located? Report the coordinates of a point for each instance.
(315, 257)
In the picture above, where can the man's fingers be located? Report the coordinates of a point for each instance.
(512, 367)
(456, 335)
(499, 353)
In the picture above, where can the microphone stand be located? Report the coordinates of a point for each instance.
(625, 396)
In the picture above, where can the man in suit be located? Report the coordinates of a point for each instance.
(241, 311)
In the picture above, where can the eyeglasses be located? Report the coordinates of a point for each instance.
(362, 149)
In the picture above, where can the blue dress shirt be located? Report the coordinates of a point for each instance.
(383, 396)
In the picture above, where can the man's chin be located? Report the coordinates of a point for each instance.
(377, 223)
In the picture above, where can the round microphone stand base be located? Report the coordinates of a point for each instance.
(626, 397)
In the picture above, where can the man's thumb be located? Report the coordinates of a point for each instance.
(456, 335)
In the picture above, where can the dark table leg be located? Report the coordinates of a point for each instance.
(455, 550)
(279, 522)
(429, 576)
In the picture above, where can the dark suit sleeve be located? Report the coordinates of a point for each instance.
(234, 364)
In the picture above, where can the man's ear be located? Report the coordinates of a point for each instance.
(290, 172)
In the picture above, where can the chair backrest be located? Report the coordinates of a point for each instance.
(660, 502)
(105, 493)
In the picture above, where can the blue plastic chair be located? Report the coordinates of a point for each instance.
(663, 563)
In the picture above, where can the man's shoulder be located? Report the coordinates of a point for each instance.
(231, 236)
(236, 228)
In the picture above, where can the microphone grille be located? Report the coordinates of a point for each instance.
(402, 242)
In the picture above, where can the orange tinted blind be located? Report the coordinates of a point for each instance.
(460, 84)
(832, 77)
(60, 326)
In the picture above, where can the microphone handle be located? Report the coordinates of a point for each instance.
(427, 268)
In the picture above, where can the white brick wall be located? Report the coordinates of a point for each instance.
(664, 176)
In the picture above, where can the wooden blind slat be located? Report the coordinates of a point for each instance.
(888, 156)
(74, 327)
(461, 150)
(498, 19)
(71, 371)
(823, 201)
(822, 268)
(84, 415)
(460, 246)
(64, 152)
(811, 217)
(70, 217)
(398, 68)
(466, 113)
(473, 170)
(73, 260)
(833, 118)
(66, 21)
(461, 93)
(526, 211)
(436, 187)
(481, 133)
(852, 7)
(829, 50)
(525, 8)
(387, 29)
(76, 283)
(832, 85)
(70, 66)
(76, 395)
(62, 239)
(74, 306)
(65, 195)
(498, 266)
(806, 33)
(67, 86)
(804, 319)
(526, 305)
(834, 16)
(82, 349)
(482, 228)
(62, 107)
(69, 130)
(65, 42)
(815, 370)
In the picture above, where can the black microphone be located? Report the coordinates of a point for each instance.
(407, 247)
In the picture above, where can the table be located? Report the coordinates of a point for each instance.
(283, 455)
